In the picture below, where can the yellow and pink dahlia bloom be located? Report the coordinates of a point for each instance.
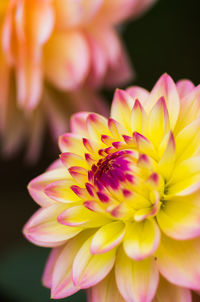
(121, 207)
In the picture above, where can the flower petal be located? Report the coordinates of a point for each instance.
(158, 116)
(37, 185)
(137, 280)
(78, 123)
(97, 125)
(138, 93)
(81, 216)
(179, 261)
(90, 269)
(105, 291)
(71, 142)
(63, 65)
(71, 159)
(121, 108)
(62, 281)
(190, 109)
(107, 237)
(61, 191)
(165, 87)
(179, 218)
(141, 239)
(187, 140)
(43, 228)
(168, 292)
(184, 87)
(49, 267)
(167, 161)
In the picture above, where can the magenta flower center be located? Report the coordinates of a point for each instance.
(110, 171)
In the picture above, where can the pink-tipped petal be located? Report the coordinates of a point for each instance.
(179, 261)
(70, 142)
(97, 125)
(105, 291)
(61, 191)
(184, 87)
(43, 228)
(179, 218)
(81, 216)
(88, 269)
(121, 108)
(78, 123)
(50, 265)
(107, 237)
(62, 282)
(37, 185)
(168, 292)
(142, 239)
(165, 87)
(137, 280)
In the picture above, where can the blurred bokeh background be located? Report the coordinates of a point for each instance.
(165, 39)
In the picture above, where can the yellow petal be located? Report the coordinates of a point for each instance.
(88, 269)
(168, 292)
(105, 291)
(158, 124)
(136, 280)
(141, 239)
(121, 108)
(167, 161)
(165, 87)
(179, 217)
(107, 237)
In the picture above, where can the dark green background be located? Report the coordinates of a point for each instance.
(166, 39)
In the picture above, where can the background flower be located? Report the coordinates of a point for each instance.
(122, 202)
(71, 45)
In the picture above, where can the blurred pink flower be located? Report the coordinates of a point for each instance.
(72, 45)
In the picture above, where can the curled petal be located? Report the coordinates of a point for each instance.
(48, 271)
(180, 216)
(105, 291)
(43, 228)
(107, 237)
(70, 142)
(71, 159)
(137, 280)
(90, 269)
(61, 191)
(62, 281)
(165, 87)
(179, 261)
(37, 185)
(142, 239)
(97, 125)
(121, 108)
(169, 292)
(81, 216)
(78, 123)
(158, 116)
(184, 87)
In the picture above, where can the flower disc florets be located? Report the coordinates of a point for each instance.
(122, 203)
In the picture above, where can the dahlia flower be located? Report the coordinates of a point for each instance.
(121, 208)
(72, 45)
(43, 39)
